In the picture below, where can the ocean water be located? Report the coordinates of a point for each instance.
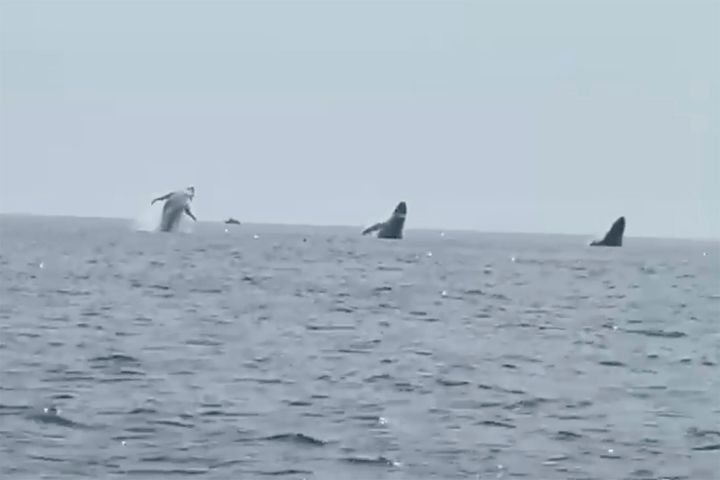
(300, 352)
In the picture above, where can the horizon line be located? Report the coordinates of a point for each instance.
(325, 225)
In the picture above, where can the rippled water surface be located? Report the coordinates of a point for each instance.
(282, 352)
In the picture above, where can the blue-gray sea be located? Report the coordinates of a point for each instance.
(303, 352)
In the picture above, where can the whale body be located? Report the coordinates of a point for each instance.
(614, 236)
(176, 203)
(392, 227)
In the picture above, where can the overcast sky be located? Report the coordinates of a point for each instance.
(507, 115)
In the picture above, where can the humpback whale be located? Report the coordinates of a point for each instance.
(392, 227)
(614, 236)
(176, 203)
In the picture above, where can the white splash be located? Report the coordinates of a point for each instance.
(148, 219)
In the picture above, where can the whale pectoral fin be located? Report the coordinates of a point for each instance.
(160, 199)
(373, 228)
(190, 214)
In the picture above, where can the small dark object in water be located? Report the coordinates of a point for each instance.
(614, 237)
(232, 221)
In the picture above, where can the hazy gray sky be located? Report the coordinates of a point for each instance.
(536, 116)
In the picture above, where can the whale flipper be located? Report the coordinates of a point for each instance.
(614, 237)
(393, 227)
(373, 228)
(189, 213)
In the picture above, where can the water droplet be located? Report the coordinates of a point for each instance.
(256, 237)
(611, 451)
(226, 230)
(382, 421)
(513, 259)
(42, 265)
(444, 293)
(123, 443)
(429, 254)
(442, 234)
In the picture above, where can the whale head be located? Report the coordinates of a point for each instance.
(400, 210)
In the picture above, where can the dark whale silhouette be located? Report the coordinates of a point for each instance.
(614, 237)
(176, 203)
(232, 221)
(392, 227)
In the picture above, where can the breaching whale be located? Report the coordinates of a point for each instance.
(176, 203)
(393, 227)
(614, 237)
